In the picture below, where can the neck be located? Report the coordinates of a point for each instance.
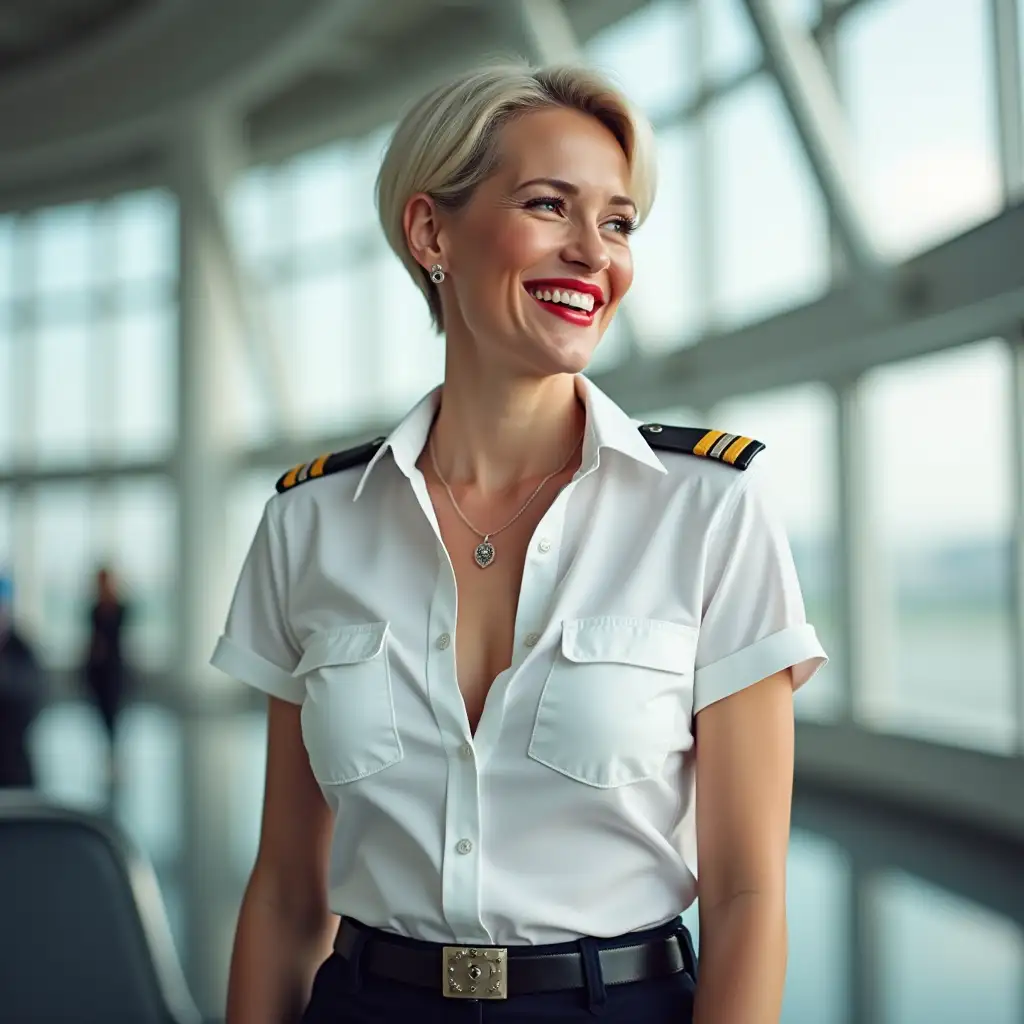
(493, 434)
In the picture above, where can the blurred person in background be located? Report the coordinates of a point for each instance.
(104, 671)
(498, 642)
(22, 695)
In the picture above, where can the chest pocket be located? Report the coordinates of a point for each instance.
(616, 701)
(348, 716)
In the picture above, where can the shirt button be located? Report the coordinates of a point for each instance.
(544, 545)
(465, 751)
(444, 641)
(531, 639)
(465, 846)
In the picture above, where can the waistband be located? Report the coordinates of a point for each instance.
(498, 972)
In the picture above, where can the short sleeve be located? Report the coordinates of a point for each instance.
(753, 622)
(256, 646)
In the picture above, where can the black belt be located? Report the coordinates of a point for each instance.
(488, 972)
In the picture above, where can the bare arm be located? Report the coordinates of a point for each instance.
(744, 797)
(284, 928)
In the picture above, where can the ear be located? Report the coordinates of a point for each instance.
(422, 230)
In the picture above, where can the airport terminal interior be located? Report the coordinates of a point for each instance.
(195, 295)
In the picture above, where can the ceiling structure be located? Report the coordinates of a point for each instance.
(92, 91)
(36, 32)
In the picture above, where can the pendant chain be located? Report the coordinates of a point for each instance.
(484, 553)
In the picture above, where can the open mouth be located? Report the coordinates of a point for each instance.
(577, 307)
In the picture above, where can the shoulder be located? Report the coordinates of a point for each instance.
(716, 445)
(327, 465)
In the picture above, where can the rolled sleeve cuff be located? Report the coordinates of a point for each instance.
(796, 647)
(248, 667)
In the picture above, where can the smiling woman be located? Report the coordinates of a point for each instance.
(487, 638)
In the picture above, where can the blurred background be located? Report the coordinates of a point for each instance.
(195, 295)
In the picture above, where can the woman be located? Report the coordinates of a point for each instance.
(486, 638)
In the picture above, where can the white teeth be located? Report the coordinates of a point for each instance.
(577, 300)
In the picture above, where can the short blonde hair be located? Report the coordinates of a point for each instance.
(447, 143)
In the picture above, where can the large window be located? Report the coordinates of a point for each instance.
(797, 427)
(770, 229)
(658, 35)
(918, 82)
(940, 437)
(350, 331)
(87, 369)
(664, 303)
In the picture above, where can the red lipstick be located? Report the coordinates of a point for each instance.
(572, 314)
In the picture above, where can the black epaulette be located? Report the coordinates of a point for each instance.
(713, 444)
(327, 464)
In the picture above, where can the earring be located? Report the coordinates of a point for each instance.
(437, 273)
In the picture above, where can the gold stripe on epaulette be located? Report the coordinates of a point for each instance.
(293, 477)
(317, 468)
(735, 450)
(705, 443)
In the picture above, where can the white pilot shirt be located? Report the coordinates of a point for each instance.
(656, 584)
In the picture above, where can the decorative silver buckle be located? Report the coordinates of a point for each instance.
(473, 973)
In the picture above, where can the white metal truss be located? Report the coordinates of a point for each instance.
(1005, 19)
(797, 64)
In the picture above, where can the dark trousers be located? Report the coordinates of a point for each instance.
(344, 993)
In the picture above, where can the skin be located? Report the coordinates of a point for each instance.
(509, 406)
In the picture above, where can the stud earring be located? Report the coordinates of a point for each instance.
(437, 273)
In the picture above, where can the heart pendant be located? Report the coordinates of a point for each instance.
(484, 554)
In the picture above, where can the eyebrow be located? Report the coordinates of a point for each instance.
(572, 190)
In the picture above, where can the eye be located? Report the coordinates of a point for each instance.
(556, 203)
(624, 225)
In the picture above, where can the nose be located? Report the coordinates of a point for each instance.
(587, 248)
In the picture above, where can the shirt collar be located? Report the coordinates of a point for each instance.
(408, 439)
(607, 427)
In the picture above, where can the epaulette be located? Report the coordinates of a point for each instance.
(327, 464)
(713, 444)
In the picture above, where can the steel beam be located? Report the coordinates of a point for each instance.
(1015, 338)
(1005, 20)
(807, 90)
(217, 159)
(1005, 15)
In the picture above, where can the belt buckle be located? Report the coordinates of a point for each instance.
(472, 972)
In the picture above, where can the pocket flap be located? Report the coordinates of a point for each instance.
(650, 643)
(347, 645)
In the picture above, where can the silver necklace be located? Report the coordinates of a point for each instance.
(484, 552)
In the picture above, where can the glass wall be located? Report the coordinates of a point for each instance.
(798, 428)
(941, 437)
(918, 80)
(88, 309)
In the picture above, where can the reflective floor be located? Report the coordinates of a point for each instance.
(892, 920)
(899, 921)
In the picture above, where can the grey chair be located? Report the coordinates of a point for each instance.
(84, 937)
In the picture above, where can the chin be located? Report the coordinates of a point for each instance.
(570, 358)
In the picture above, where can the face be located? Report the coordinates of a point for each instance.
(539, 259)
